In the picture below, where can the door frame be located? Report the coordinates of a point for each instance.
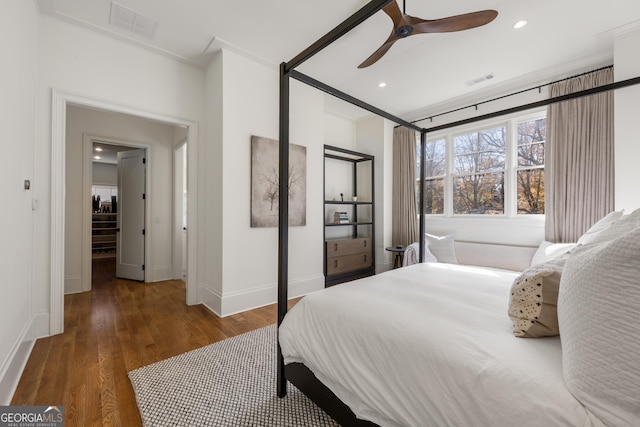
(178, 205)
(87, 183)
(60, 100)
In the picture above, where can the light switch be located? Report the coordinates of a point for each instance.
(27, 184)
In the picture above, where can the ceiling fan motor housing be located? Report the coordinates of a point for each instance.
(404, 31)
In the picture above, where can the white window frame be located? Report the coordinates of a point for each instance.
(511, 163)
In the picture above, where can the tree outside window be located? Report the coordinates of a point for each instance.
(479, 164)
(435, 169)
(472, 181)
(530, 173)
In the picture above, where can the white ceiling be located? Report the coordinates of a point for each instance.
(421, 71)
(107, 153)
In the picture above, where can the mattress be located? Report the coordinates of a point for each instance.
(430, 345)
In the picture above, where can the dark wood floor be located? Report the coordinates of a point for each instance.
(119, 326)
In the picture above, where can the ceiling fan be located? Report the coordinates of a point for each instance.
(405, 25)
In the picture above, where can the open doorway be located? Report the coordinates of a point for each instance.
(102, 230)
(118, 196)
(130, 145)
(66, 266)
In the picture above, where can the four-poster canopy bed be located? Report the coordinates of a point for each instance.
(297, 372)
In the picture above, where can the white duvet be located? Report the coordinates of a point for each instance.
(430, 345)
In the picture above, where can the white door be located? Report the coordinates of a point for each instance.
(131, 213)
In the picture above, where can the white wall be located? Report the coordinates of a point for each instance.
(78, 61)
(627, 149)
(339, 131)
(247, 105)
(19, 23)
(210, 222)
(375, 136)
(159, 137)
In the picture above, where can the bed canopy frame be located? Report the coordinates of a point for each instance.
(317, 391)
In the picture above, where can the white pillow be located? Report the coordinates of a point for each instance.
(612, 230)
(412, 252)
(428, 256)
(598, 318)
(599, 226)
(442, 248)
(548, 251)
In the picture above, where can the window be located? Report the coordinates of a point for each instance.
(478, 172)
(490, 170)
(530, 172)
(435, 164)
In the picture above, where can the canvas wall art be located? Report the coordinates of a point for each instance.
(265, 183)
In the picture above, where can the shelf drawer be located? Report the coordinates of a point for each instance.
(348, 246)
(346, 263)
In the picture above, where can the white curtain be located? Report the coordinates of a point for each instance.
(579, 164)
(405, 216)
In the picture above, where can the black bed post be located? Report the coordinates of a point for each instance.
(287, 70)
(423, 145)
(283, 218)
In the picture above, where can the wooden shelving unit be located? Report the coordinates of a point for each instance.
(352, 256)
(103, 235)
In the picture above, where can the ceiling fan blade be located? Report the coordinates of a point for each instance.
(379, 53)
(393, 10)
(453, 23)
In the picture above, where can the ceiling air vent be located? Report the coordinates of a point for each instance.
(480, 79)
(132, 21)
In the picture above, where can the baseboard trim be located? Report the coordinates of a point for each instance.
(381, 267)
(40, 327)
(210, 299)
(162, 273)
(237, 302)
(249, 299)
(13, 366)
(72, 284)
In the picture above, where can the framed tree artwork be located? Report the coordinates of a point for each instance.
(265, 183)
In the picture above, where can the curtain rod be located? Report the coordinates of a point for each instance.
(542, 103)
(539, 87)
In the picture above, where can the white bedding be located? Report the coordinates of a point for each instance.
(430, 345)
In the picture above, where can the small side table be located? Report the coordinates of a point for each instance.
(398, 255)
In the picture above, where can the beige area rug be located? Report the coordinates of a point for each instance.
(229, 383)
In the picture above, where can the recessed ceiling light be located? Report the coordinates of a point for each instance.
(382, 84)
(98, 149)
(520, 24)
(96, 157)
